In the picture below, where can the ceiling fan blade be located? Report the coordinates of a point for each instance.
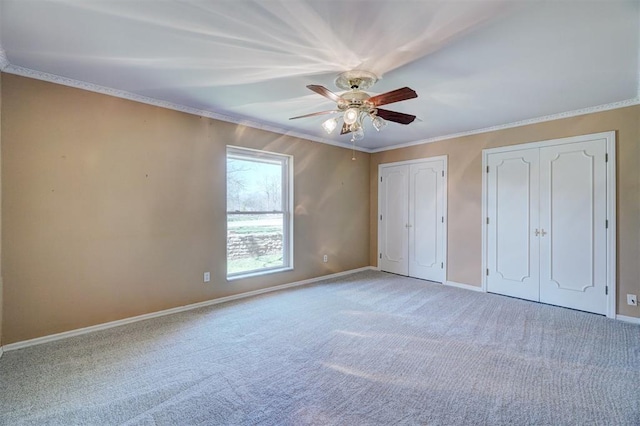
(321, 90)
(314, 114)
(393, 96)
(345, 129)
(396, 117)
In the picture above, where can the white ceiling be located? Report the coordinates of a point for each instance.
(475, 64)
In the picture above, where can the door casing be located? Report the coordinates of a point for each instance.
(444, 159)
(610, 139)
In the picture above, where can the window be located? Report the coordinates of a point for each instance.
(259, 220)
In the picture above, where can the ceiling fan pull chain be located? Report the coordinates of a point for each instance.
(353, 148)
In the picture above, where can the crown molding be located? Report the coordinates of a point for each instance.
(552, 117)
(8, 68)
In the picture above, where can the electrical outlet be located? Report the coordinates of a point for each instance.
(207, 277)
(325, 258)
(632, 300)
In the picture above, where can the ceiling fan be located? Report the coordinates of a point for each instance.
(355, 104)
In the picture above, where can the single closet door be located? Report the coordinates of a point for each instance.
(426, 221)
(412, 219)
(512, 207)
(573, 257)
(394, 208)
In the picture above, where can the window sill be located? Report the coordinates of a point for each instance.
(258, 273)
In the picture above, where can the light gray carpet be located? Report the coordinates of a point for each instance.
(367, 349)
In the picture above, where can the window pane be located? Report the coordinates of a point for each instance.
(254, 242)
(258, 211)
(254, 185)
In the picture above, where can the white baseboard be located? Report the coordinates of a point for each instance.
(632, 320)
(107, 325)
(464, 286)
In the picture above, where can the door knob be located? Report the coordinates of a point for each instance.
(537, 233)
(542, 232)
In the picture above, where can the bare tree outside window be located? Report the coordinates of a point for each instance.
(258, 212)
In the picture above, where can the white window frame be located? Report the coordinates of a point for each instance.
(286, 162)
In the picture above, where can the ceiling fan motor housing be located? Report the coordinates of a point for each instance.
(354, 99)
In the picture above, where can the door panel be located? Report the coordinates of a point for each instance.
(426, 211)
(512, 206)
(573, 213)
(393, 226)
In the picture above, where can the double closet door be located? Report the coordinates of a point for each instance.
(547, 224)
(411, 217)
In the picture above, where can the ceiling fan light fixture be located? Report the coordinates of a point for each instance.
(351, 115)
(330, 125)
(356, 104)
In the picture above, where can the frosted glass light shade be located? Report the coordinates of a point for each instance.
(378, 123)
(330, 125)
(358, 134)
(351, 115)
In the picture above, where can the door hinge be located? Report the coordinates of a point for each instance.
(606, 290)
(606, 157)
(487, 271)
(487, 169)
(442, 265)
(380, 217)
(380, 255)
(380, 178)
(487, 220)
(443, 173)
(606, 224)
(442, 219)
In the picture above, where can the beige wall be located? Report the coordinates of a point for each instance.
(113, 208)
(465, 191)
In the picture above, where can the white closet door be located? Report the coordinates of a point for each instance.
(512, 207)
(573, 255)
(395, 220)
(426, 215)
